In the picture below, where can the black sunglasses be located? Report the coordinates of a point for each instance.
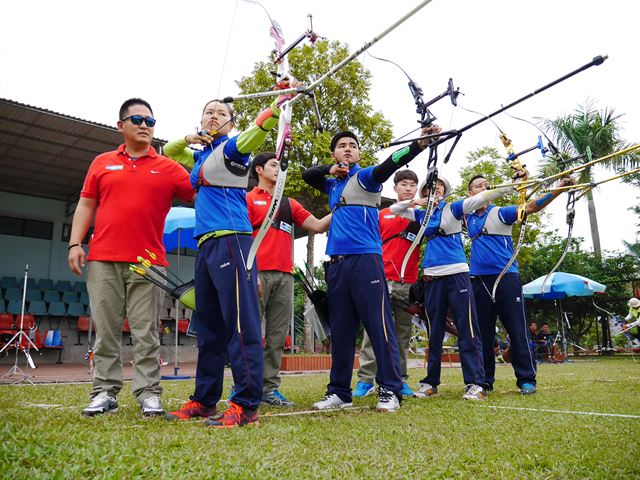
(138, 119)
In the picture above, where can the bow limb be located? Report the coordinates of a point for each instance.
(432, 178)
(522, 211)
(283, 140)
(571, 213)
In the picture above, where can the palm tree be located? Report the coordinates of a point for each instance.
(589, 133)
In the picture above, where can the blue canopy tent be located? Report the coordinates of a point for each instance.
(178, 233)
(561, 285)
(178, 229)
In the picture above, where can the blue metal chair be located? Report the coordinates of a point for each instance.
(80, 287)
(31, 283)
(13, 293)
(51, 296)
(76, 310)
(70, 297)
(8, 282)
(63, 286)
(37, 308)
(14, 307)
(3, 307)
(57, 310)
(45, 284)
(84, 298)
(33, 295)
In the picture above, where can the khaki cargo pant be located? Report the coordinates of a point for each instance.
(276, 308)
(116, 293)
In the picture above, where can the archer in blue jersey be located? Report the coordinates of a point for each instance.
(492, 248)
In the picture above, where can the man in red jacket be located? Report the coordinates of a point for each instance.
(397, 234)
(275, 267)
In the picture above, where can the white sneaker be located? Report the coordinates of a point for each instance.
(636, 342)
(425, 390)
(474, 392)
(388, 401)
(152, 406)
(101, 403)
(331, 401)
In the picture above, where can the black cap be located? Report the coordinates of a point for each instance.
(339, 135)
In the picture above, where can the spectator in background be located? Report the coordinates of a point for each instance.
(275, 265)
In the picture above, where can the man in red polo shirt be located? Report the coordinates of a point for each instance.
(397, 235)
(129, 191)
(275, 266)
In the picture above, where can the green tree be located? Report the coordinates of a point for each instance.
(344, 104)
(634, 247)
(591, 133)
(617, 271)
(343, 100)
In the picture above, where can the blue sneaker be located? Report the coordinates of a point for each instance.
(527, 389)
(281, 397)
(406, 390)
(363, 389)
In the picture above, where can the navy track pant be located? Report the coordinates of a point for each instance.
(357, 291)
(228, 321)
(509, 306)
(453, 292)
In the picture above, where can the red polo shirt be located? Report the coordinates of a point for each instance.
(276, 249)
(133, 197)
(394, 250)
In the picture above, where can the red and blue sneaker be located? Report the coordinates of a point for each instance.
(191, 409)
(234, 416)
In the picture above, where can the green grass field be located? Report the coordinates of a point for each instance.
(43, 434)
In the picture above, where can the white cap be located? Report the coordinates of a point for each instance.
(634, 302)
(445, 182)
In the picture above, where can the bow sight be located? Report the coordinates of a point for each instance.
(422, 108)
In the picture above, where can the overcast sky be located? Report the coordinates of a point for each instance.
(84, 58)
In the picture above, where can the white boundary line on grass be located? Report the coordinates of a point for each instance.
(574, 412)
(312, 412)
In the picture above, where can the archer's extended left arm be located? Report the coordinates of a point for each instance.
(541, 202)
(249, 140)
(400, 158)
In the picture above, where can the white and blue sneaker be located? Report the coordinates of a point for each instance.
(276, 399)
(101, 403)
(363, 389)
(527, 389)
(406, 390)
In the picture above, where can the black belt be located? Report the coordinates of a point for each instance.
(429, 278)
(338, 258)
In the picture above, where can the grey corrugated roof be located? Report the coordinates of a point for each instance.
(47, 154)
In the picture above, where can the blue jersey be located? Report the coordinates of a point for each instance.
(355, 228)
(442, 250)
(491, 253)
(220, 208)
